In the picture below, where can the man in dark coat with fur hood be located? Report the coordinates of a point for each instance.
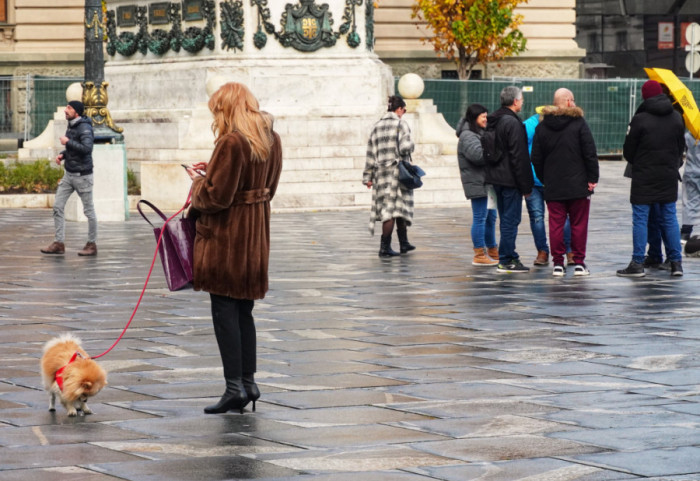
(654, 148)
(565, 158)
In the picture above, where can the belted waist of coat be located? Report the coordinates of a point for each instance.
(254, 196)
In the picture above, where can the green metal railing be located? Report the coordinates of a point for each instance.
(608, 104)
(28, 103)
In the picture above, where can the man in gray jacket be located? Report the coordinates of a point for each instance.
(78, 177)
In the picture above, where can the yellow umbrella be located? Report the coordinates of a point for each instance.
(681, 95)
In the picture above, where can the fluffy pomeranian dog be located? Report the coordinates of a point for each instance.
(69, 373)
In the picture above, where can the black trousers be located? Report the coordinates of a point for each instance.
(235, 334)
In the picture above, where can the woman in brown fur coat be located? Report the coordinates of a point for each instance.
(232, 195)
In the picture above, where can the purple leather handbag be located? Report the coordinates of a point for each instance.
(176, 247)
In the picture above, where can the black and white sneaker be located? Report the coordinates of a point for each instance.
(559, 271)
(634, 269)
(652, 262)
(513, 267)
(581, 270)
(676, 269)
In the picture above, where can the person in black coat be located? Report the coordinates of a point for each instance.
(565, 158)
(654, 149)
(511, 176)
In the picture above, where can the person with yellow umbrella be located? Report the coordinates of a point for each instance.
(654, 148)
(684, 102)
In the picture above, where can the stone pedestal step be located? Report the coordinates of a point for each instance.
(337, 187)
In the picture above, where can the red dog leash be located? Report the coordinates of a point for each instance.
(148, 278)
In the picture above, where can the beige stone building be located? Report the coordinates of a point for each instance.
(549, 26)
(45, 37)
(41, 37)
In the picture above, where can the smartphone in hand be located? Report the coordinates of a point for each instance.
(193, 169)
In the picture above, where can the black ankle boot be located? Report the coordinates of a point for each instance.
(385, 249)
(235, 397)
(404, 245)
(251, 389)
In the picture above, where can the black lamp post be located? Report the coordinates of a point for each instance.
(94, 87)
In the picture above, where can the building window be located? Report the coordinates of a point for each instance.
(621, 40)
(593, 42)
(3, 11)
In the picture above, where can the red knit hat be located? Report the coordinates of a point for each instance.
(651, 88)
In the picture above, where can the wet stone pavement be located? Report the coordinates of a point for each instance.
(410, 369)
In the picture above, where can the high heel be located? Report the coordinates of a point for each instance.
(251, 389)
(234, 397)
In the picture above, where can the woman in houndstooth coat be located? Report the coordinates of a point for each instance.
(389, 141)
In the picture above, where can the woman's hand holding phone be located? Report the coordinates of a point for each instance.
(196, 170)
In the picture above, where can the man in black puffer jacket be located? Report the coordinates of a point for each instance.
(565, 158)
(654, 148)
(511, 176)
(78, 177)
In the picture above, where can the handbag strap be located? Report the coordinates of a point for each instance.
(406, 158)
(155, 209)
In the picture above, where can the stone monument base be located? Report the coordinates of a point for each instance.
(109, 191)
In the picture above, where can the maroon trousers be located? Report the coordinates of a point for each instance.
(577, 210)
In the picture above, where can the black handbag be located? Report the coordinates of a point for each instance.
(409, 174)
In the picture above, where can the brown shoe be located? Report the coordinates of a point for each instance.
(542, 259)
(481, 259)
(570, 259)
(55, 248)
(492, 252)
(90, 249)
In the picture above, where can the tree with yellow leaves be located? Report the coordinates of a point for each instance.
(472, 31)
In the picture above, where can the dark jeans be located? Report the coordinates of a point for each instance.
(483, 224)
(535, 210)
(667, 221)
(577, 211)
(655, 235)
(510, 209)
(235, 334)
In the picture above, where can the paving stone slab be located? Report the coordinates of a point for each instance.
(335, 398)
(23, 457)
(197, 447)
(360, 461)
(636, 439)
(71, 473)
(505, 448)
(524, 470)
(345, 436)
(682, 461)
(480, 426)
(194, 469)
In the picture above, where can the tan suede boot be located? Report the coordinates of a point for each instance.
(481, 259)
(542, 258)
(493, 252)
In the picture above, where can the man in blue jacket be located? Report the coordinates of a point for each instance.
(78, 177)
(511, 175)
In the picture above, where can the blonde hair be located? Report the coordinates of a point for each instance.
(235, 108)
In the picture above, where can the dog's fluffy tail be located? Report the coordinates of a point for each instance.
(67, 337)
